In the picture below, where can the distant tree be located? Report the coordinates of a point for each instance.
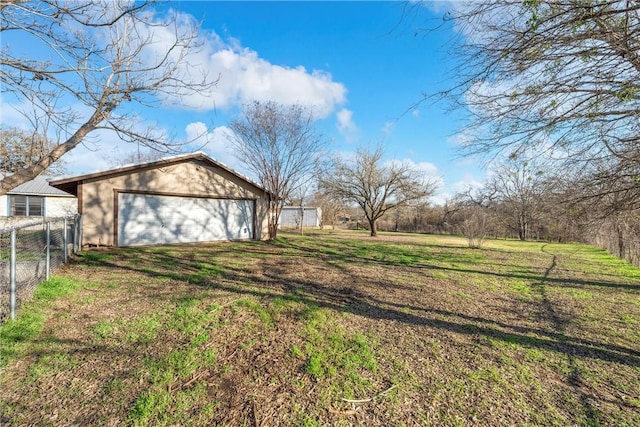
(374, 186)
(476, 226)
(450, 213)
(279, 144)
(20, 149)
(555, 77)
(564, 215)
(138, 156)
(514, 192)
(331, 206)
(619, 234)
(98, 55)
(614, 183)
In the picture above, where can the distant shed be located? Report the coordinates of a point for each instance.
(291, 216)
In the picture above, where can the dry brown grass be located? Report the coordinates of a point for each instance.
(433, 333)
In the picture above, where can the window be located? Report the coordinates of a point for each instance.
(18, 205)
(26, 205)
(36, 206)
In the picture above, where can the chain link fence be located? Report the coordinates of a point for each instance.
(29, 253)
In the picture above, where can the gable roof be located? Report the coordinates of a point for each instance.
(39, 186)
(70, 184)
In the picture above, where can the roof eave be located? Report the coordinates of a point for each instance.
(70, 184)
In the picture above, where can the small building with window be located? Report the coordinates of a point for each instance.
(36, 198)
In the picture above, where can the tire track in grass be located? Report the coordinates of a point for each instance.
(560, 323)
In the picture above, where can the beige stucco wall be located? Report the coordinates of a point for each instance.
(193, 177)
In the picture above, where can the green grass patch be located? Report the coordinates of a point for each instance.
(333, 354)
(170, 396)
(30, 319)
(96, 257)
(628, 319)
(263, 313)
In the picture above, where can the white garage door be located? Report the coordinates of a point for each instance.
(151, 220)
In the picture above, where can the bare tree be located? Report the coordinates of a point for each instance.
(476, 226)
(19, 149)
(98, 57)
(514, 192)
(374, 186)
(619, 234)
(331, 207)
(554, 77)
(614, 183)
(138, 156)
(279, 144)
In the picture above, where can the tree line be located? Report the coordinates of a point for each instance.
(520, 200)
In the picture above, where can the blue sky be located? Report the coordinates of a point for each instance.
(361, 63)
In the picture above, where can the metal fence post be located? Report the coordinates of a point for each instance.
(48, 261)
(12, 274)
(75, 234)
(79, 232)
(65, 237)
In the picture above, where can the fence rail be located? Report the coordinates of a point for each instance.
(29, 253)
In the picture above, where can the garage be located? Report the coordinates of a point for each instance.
(145, 219)
(182, 199)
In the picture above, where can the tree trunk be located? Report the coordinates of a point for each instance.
(10, 182)
(522, 228)
(273, 230)
(373, 227)
(301, 219)
(274, 217)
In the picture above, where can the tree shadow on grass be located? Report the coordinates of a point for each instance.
(271, 284)
(272, 280)
(393, 256)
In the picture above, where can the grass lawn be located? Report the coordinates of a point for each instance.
(332, 328)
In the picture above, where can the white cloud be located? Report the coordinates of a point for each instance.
(346, 126)
(430, 172)
(461, 139)
(197, 133)
(478, 29)
(447, 191)
(468, 182)
(429, 169)
(216, 143)
(220, 148)
(387, 128)
(99, 151)
(243, 76)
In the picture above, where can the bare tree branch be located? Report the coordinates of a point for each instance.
(559, 79)
(103, 55)
(279, 144)
(375, 187)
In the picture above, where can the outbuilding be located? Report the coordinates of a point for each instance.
(292, 216)
(182, 199)
(36, 198)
